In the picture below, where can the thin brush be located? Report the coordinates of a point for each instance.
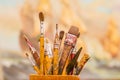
(33, 51)
(56, 52)
(34, 66)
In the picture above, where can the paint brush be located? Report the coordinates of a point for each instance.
(33, 51)
(41, 18)
(34, 66)
(81, 64)
(56, 52)
(69, 43)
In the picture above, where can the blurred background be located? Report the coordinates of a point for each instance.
(98, 21)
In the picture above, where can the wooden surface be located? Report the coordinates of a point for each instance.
(53, 77)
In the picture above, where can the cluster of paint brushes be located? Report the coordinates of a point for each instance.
(59, 60)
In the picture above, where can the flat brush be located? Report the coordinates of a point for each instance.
(34, 66)
(75, 31)
(69, 43)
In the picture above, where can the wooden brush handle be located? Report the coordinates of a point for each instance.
(36, 58)
(42, 55)
(64, 57)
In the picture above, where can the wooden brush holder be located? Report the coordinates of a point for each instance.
(53, 77)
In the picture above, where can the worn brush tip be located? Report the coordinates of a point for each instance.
(61, 35)
(41, 16)
(74, 30)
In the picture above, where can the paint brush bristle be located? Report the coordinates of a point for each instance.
(61, 35)
(74, 30)
(41, 16)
